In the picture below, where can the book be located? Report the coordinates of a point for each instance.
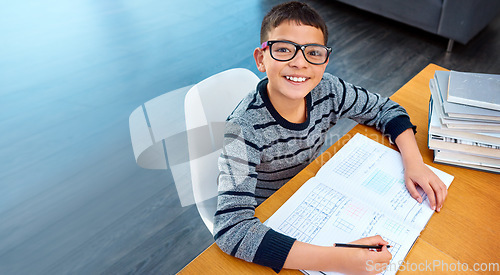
(488, 164)
(474, 89)
(455, 110)
(464, 141)
(470, 166)
(437, 144)
(484, 138)
(473, 126)
(359, 192)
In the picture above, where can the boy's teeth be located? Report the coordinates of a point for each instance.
(296, 79)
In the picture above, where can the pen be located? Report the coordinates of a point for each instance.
(360, 245)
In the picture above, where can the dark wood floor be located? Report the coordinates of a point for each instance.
(72, 198)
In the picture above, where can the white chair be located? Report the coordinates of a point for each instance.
(207, 105)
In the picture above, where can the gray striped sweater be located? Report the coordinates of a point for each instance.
(262, 151)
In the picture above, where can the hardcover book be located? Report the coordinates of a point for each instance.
(455, 110)
(475, 89)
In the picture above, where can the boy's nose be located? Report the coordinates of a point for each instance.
(299, 60)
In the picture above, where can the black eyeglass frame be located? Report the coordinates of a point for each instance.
(297, 48)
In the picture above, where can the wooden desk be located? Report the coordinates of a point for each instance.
(465, 231)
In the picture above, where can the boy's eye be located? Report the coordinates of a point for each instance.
(316, 52)
(282, 50)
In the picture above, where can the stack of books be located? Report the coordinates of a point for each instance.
(464, 119)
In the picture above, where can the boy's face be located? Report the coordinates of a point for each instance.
(281, 74)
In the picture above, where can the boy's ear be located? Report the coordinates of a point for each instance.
(258, 55)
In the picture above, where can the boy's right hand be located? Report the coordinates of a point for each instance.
(340, 259)
(365, 261)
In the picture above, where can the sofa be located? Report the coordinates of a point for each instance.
(457, 20)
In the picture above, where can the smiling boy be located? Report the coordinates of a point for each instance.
(279, 128)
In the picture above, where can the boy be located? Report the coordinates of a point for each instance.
(278, 129)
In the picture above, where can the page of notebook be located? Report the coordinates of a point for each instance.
(321, 215)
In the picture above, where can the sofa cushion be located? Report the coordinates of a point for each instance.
(423, 14)
(462, 19)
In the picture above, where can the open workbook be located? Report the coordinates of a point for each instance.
(359, 192)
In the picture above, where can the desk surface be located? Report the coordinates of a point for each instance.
(465, 231)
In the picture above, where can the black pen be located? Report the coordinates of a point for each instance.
(360, 246)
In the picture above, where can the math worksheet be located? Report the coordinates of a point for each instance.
(359, 192)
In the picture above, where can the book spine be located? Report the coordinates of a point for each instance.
(429, 117)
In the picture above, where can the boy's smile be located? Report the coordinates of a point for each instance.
(290, 81)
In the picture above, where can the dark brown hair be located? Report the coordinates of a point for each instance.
(294, 11)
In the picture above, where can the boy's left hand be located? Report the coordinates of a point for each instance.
(419, 174)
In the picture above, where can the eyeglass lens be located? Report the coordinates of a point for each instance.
(284, 51)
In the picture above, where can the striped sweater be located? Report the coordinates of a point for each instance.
(262, 151)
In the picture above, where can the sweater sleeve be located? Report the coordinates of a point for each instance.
(368, 108)
(236, 229)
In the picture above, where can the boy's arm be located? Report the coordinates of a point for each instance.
(364, 107)
(417, 173)
(345, 260)
(391, 119)
(237, 231)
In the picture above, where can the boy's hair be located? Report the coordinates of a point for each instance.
(294, 11)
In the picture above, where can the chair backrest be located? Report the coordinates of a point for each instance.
(207, 105)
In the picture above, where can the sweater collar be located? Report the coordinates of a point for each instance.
(262, 89)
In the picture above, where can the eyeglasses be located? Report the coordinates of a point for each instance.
(285, 51)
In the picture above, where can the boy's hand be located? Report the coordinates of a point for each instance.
(365, 261)
(340, 259)
(417, 173)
